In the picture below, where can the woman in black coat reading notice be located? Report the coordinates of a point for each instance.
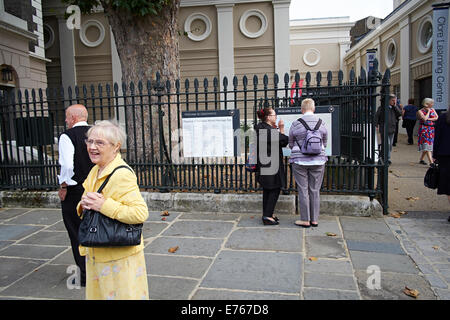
(270, 169)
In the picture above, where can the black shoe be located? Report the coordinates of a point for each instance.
(275, 218)
(422, 162)
(268, 221)
(297, 223)
(315, 225)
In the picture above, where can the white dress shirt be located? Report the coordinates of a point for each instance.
(66, 154)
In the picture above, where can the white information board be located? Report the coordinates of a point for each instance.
(209, 133)
(330, 118)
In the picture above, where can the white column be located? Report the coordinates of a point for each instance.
(358, 65)
(225, 44)
(226, 41)
(343, 47)
(281, 37)
(67, 55)
(404, 60)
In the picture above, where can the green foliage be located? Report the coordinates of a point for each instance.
(135, 7)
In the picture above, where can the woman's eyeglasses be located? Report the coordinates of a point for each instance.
(98, 143)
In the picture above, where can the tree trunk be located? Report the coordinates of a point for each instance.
(147, 45)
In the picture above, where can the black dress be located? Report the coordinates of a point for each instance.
(276, 180)
(441, 152)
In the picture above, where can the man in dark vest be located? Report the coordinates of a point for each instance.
(75, 166)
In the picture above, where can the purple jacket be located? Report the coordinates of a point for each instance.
(297, 134)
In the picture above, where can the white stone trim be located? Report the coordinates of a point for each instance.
(422, 48)
(253, 13)
(85, 40)
(192, 18)
(313, 62)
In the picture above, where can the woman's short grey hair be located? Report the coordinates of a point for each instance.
(110, 130)
(427, 101)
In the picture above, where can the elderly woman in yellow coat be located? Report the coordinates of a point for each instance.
(113, 272)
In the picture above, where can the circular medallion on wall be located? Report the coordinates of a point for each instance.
(49, 36)
(92, 33)
(198, 26)
(253, 23)
(424, 36)
(311, 57)
(391, 53)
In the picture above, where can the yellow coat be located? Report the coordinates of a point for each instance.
(123, 202)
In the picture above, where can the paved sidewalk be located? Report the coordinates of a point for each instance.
(233, 256)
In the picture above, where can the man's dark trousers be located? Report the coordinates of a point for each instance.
(72, 222)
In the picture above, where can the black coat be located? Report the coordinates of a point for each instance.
(441, 144)
(264, 134)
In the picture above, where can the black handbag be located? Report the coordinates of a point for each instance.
(431, 178)
(98, 230)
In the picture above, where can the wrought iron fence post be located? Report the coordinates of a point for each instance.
(384, 103)
(374, 77)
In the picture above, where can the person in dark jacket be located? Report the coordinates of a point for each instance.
(75, 166)
(409, 119)
(441, 153)
(393, 113)
(270, 169)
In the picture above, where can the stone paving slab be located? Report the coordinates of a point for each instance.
(385, 261)
(6, 214)
(257, 271)
(186, 246)
(329, 281)
(216, 294)
(49, 280)
(152, 229)
(288, 240)
(205, 229)
(167, 288)
(16, 231)
(329, 266)
(370, 236)
(188, 267)
(369, 225)
(32, 251)
(323, 294)
(55, 238)
(38, 217)
(156, 216)
(12, 269)
(329, 247)
(392, 285)
(210, 216)
(381, 247)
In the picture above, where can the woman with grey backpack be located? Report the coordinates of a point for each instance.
(307, 141)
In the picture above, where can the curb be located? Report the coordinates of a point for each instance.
(334, 205)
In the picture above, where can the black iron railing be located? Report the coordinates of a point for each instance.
(32, 121)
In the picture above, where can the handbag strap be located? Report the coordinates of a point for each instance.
(107, 179)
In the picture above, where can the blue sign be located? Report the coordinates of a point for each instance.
(440, 57)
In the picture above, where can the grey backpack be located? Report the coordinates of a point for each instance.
(312, 145)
